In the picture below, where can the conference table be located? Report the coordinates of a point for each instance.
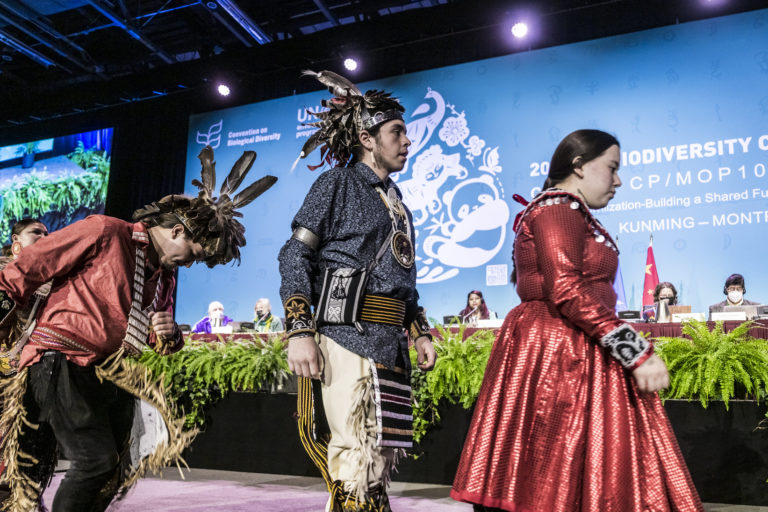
(758, 330)
(655, 330)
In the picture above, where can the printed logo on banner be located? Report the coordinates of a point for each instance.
(303, 116)
(212, 137)
(453, 190)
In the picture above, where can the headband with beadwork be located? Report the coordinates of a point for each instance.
(348, 113)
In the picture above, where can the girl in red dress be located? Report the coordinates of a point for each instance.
(568, 418)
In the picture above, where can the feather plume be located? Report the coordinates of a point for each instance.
(211, 220)
(208, 172)
(238, 172)
(337, 84)
(296, 162)
(148, 210)
(313, 141)
(253, 191)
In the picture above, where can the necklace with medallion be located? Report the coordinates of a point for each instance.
(400, 244)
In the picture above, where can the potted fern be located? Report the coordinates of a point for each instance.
(707, 365)
(202, 373)
(716, 399)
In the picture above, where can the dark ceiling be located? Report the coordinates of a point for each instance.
(63, 57)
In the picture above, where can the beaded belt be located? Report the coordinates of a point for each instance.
(383, 310)
(50, 339)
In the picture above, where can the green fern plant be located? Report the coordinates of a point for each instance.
(715, 365)
(456, 378)
(202, 373)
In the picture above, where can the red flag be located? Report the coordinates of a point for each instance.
(651, 276)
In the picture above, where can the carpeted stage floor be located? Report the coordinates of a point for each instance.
(230, 491)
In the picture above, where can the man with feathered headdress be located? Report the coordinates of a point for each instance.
(351, 256)
(112, 296)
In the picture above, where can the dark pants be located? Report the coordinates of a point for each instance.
(91, 421)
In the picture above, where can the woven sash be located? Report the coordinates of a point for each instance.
(138, 319)
(392, 388)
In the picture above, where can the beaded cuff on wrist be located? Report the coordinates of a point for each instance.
(420, 326)
(627, 346)
(298, 316)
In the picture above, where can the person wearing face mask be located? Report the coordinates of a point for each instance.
(112, 298)
(734, 290)
(215, 318)
(264, 320)
(665, 292)
(568, 418)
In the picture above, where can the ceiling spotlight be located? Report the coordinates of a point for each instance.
(519, 29)
(350, 64)
(223, 89)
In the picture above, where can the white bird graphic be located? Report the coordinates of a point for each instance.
(420, 129)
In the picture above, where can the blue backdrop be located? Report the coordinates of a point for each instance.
(689, 104)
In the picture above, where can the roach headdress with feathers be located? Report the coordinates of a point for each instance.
(210, 219)
(349, 112)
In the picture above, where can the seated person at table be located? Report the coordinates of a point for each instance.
(475, 310)
(734, 291)
(264, 320)
(664, 291)
(215, 318)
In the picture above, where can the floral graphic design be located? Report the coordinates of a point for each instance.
(454, 130)
(458, 205)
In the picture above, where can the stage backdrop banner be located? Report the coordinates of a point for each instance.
(689, 104)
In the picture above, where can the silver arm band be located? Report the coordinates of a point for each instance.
(307, 237)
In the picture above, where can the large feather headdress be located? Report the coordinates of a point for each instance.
(211, 219)
(349, 112)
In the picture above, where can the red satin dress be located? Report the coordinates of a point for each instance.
(559, 424)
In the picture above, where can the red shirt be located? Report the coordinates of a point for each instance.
(92, 264)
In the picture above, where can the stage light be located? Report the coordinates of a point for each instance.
(223, 89)
(520, 30)
(350, 64)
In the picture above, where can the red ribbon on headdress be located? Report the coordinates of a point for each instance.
(522, 201)
(325, 158)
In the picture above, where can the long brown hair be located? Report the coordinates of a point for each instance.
(484, 313)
